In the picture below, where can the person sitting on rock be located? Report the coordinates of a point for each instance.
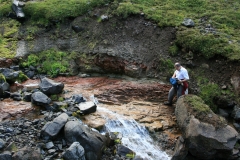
(181, 76)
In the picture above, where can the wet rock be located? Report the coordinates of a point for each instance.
(87, 107)
(51, 129)
(27, 96)
(59, 105)
(125, 151)
(74, 152)
(30, 74)
(27, 153)
(188, 22)
(10, 75)
(2, 143)
(49, 87)
(16, 96)
(49, 145)
(206, 137)
(76, 99)
(92, 142)
(236, 113)
(4, 90)
(40, 99)
(6, 155)
(77, 29)
(181, 150)
(15, 68)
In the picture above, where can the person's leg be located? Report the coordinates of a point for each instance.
(179, 91)
(171, 94)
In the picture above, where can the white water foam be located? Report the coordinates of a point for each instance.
(134, 136)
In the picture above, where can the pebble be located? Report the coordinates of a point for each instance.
(49, 145)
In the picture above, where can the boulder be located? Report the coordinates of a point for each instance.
(10, 74)
(27, 153)
(51, 129)
(2, 143)
(181, 150)
(76, 99)
(4, 90)
(74, 152)
(206, 134)
(188, 22)
(236, 113)
(6, 155)
(59, 105)
(27, 96)
(92, 142)
(125, 152)
(40, 99)
(49, 87)
(87, 107)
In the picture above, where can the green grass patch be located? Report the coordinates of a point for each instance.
(51, 62)
(197, 104)
(166, 65)
(8, 38)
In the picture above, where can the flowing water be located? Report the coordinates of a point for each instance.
(134, 136)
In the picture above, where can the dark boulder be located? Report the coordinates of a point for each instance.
(74, 152)
(236, 113)
(76, 99)
(77, 29)
(87, 107)
(92, 142)
(16, 96)
(4, 90)
(206, 134)
(30, 74)
(40, 99)
(6, 155)
(10, 75)
(51, 129)
(27, 96)
(125, 151)
(50, 87)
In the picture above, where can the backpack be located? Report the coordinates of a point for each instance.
(173, 81)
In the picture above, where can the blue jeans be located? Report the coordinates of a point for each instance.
(174, 91)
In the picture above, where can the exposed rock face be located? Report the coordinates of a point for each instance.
(92, 142)
(74, 152)
(206, 135)
(235, 80)
(40, 99)
(49, 87)
(51, 129)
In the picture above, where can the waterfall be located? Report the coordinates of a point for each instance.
(134, 136)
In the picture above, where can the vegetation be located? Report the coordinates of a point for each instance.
(166, 65)
(197, 104)
(51, 62)
(222, 15)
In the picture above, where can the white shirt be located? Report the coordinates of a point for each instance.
(182, 74)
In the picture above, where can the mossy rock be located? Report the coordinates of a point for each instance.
(2, 78)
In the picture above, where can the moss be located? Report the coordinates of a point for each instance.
(118, 141)
(60, 99)
(130, 155)
(2, 78)
(166, 65)
(22, 77)
(173, 50)
(54, 97)
(197, 104)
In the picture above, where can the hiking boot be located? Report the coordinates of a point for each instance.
(167, 103)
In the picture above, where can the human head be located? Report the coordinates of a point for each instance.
(177, 66)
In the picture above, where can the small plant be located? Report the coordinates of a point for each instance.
(173, 50)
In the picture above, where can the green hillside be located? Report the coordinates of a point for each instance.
(221, 16)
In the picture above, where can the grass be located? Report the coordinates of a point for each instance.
(51, 62)
(223, 15)
(197, 104)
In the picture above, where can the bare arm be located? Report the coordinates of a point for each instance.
(174, 75)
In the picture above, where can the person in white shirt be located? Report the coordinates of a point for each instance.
(181, 74)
